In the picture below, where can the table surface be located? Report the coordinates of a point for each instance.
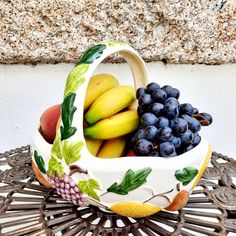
(28, 208)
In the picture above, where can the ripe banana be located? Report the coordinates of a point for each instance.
(93, 145)
(114, 126)
(98, 84)
(110, 102)
(113, 148)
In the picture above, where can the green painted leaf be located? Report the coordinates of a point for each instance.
(186, 175)
(56, 148)
(75, 79)
(88, 187)
(71, 151)
(115, 43)
(40, 162)
(132, 180)
(92, 54)
(68, 110)
(55, 167)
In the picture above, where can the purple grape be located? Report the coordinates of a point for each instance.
(151, 133)
(67, 188)
(196, 139)
(145, 99)
(186, 108)
(152, 87)
(156, 109)
(165, 134)
(195, 110)
(176, 141)
(159, 96)
(148, 119)
(172, 101)
(140, 92)
(187, 137)
(143, 147)
(167, 149)
(162, 122)
(179, 126)
(207, 116)
(171, 111)
(140, 134)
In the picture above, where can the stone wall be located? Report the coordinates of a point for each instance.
(175, 31)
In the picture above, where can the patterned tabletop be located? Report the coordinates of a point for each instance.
(28, 208)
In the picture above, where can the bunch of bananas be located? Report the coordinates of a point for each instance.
(110, 116)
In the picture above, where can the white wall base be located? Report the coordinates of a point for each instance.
(27, 90)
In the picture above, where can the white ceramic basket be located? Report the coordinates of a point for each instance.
(151, 183)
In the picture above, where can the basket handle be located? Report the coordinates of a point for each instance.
(70, 127)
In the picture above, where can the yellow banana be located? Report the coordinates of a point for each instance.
(113, 148)
(93, 145)
(98, 84)
(114, 126)
(110, 102)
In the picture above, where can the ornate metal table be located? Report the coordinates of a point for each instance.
(28, 208)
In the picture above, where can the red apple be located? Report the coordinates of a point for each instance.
(48, 122)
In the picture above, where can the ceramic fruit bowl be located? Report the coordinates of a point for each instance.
(133, 186)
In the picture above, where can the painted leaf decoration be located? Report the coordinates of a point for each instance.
(40, 162)
(132, 180)
(186, 175)
(92, 54)
(71, 151)
(88, 187)
(75, 79)
(68, 110)
(55, 167)
(56, 149)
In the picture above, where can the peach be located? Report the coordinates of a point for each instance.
(48, 122)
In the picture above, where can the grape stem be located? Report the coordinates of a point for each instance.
(77, 169)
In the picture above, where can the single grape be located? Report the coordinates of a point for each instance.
(162, 122)
(171, 110)
(151, 133)
(145, 99)
(167, 149)
(186, 108)
(194, 125)
(207, 116)
(187, 137)
(176, 141)
(152, 86)
(141, 110)
(179, 125)
(139, 134)
(148, 119)
(143, 147)
(171, 92)
(175, 93)
(195, 110)
(165, 134)
(154, 154)
(172, 101)
(140, 92)
(196, 139)
(159, 95)
(156, 108)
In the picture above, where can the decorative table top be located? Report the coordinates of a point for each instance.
(28, 208)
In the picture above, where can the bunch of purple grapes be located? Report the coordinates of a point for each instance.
(167, 128)
(67, 188)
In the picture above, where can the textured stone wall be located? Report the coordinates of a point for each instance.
(176, 31)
